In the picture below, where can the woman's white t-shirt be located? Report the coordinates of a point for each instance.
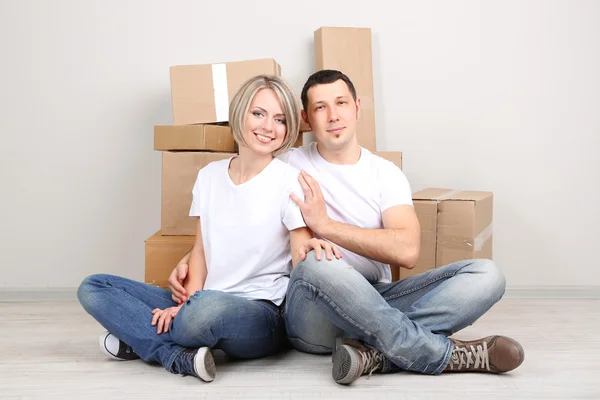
(245, 229)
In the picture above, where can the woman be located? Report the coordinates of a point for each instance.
(249, 233)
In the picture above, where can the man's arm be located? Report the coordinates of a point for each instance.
(398, 243)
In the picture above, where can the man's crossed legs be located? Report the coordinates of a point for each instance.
(400, 325)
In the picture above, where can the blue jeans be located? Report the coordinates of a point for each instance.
(242, 328)
(408, 320)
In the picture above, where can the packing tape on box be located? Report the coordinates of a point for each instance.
(447, 195)
(467, 243)
(483, 237)
(219, 76)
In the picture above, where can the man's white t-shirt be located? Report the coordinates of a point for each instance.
(356, 194)
(245, 229)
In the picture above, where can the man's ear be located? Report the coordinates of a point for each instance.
(357, 108)
(304, 124)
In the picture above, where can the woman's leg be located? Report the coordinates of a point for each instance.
(242, 328)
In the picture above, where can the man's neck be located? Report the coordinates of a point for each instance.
(348, 155)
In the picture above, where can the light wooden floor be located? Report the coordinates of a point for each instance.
(49, 350)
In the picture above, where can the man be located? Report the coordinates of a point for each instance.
(363, 204)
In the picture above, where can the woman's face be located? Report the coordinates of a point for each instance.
(265, 127)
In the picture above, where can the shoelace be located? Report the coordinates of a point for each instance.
(464, 356)
(184, 364)
(372, 359)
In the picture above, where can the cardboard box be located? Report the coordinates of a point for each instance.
(179, 173)
(349, 50)
(193, 137)
(162, 255)
(393, 156)
(201, 93)
(455, 226)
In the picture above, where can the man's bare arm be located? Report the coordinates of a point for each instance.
(398, 243)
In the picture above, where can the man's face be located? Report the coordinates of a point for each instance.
(332, 114)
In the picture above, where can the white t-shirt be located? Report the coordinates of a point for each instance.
(245, 229)
(357, 195)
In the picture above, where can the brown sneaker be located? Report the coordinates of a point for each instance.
(495, 354)
(353, 359)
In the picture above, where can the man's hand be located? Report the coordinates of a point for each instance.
(313, 207)
(162, 318)
(178, 292)
(319, 245)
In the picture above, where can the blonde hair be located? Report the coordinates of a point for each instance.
(240, 105)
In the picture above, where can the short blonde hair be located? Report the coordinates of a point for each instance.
(240, 105)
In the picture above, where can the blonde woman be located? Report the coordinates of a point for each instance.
(249, 235)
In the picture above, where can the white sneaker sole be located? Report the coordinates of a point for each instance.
(345, 365)
(204, 364)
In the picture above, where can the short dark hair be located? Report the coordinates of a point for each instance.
(324, 77)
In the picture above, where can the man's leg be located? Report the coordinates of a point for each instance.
(124, 308)
(242, 328)
(447, 299)
(353, 305)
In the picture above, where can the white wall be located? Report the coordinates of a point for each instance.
(498, 95)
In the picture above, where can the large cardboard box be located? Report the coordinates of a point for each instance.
(201, 93)
(179, 173)
(193, 137)
(162, 255)
(349, 50)
(455, 225)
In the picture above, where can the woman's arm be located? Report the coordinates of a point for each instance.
(197, 272)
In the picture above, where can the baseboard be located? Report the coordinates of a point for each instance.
(38, 294)
(552, 292)
(514, 292)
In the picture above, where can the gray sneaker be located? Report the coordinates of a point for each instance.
(197, 362)
(353, 359)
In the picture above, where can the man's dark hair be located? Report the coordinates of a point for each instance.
(324, 77)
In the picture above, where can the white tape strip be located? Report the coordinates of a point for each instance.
(449, 194)
(484, 235)
(219, 75)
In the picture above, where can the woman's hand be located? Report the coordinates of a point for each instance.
(319, 245)
(162, 318)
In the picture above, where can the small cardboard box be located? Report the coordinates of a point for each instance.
(393, 156)
(455, 225)
(179, 173)
(201, 93)
(162, 255)
(193, 137)
(349, 50)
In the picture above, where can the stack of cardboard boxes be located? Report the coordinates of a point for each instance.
(454, 225)
(200, 135)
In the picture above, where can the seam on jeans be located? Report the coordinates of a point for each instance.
(446, 359)
(429, 282)
(142, 286)
(346, 316)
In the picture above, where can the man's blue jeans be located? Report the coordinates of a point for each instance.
(408, 320)
(240, 327)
